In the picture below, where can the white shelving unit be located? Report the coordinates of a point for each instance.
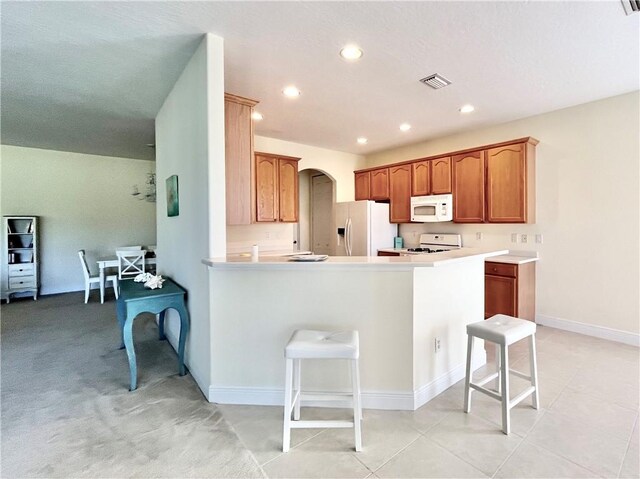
(20, 259)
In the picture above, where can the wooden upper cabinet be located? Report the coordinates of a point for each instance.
(507, 177)
(379, 184)
(468, 187)
(400, 194)
(288, 190)
(441, 176)
(276, 188)
(238, 158)
(266, 188)
(363, 185)
(421, 178)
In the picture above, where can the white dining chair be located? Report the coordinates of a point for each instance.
(89, 280)
(130, 263)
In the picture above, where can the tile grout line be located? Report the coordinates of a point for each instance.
(280, 453)
(635, 424)
(231, 426)
(394, 455)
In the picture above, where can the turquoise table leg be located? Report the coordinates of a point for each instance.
(121, 312)
(131, 353)
(161, 335)
(184, 329)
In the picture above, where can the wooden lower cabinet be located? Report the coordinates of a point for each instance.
(276, 188)
(510, 289)
(400, 194)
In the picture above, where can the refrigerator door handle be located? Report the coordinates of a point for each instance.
(346, 236)
(350, 237)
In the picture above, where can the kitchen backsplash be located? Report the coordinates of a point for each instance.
(491, 235)
(268, 237)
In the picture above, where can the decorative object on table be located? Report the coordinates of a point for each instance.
(150, 186)
(150, 281)
(308, 257)
(173, 201)
(398, 242)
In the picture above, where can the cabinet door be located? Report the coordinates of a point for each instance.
(288, 189)
(266, 188)
(506, 185)
(441, 176)
(468, 187)
(500, 295)
(380, 184)
(421, 178)
(400, 194)
(363, 186)
(238, 157)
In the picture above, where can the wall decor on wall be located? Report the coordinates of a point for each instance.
(173, 203)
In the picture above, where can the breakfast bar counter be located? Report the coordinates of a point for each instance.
(401, 306)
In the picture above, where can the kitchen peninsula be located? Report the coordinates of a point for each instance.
(401, 306)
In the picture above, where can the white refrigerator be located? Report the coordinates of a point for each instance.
(362, 228)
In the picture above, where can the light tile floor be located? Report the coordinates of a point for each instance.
(587, 425)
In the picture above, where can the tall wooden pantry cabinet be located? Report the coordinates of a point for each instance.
(20, 259)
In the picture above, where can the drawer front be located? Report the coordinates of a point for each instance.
(22, 282)
(501, 269)
(21, 269)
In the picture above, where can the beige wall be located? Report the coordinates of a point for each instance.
(274, 236)
(587, 208)
(190, 144)
(84, 202)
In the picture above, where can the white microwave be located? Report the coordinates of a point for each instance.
(429, 209)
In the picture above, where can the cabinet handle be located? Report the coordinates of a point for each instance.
(495, 269)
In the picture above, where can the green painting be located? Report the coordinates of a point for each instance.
(173, 201)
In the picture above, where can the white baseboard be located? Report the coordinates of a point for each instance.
(393, 400)
(616, 335)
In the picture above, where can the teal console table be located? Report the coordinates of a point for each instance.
(135, 299)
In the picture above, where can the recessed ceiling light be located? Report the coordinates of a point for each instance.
(466, 108)
(351, 52)
(362, 140)
(291, 92)
(405, 127)
(256, 116)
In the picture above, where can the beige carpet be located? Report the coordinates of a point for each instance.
(67, 411)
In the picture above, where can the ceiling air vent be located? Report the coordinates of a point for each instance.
(435, 81)
(631, 6)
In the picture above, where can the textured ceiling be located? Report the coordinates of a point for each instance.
(91, 76)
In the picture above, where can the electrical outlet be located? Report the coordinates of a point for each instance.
(479, 236)
(539, 238)
(437, 344)
(514, 237)
(523, 238)
(267, 235)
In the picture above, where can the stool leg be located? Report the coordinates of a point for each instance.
(286, 434)
(297, 387)
(357, 411)
(467, 379)
(504, 380)
(533, 370)
(499, 368)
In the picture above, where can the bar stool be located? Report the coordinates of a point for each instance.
(502, 330)
(310, 344)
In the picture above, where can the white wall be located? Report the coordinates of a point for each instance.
(337, 165)
(587, 184)
(84, 202)
(190, 144)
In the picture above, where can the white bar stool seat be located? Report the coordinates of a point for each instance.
(502, 330)
(313, 344)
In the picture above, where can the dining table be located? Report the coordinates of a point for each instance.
(112, 262)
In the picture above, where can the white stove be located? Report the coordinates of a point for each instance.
(435, 243)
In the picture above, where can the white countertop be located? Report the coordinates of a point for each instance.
(516, 257)
(268, 253)
(383, 262)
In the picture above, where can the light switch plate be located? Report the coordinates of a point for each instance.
(478, 235)
(514, 237)
(523, 238)
(539, 238)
